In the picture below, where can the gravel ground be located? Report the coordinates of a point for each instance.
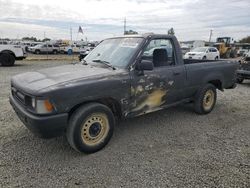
(170, 148)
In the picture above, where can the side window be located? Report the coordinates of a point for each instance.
(214, 50)
(50, 46)
(160, 51)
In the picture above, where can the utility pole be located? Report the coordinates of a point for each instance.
(44, 36)
(124, 26)
(210, 35)
(71, 34)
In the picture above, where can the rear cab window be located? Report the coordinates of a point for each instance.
(161, 52)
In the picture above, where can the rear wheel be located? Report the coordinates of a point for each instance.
(205, 99)
(204, 58)
(216, 58)
(6, 59)
(54, 51)
(37, 52)
(90, 128)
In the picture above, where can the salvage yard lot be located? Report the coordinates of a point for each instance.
(173, 147)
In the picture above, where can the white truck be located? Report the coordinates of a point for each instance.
(10, 53)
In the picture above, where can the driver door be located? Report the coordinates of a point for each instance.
(152, 90)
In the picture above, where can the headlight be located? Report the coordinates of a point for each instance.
(42, 106)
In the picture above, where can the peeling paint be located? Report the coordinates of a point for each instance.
(153, 100)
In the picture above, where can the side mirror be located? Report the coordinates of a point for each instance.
(145, 65)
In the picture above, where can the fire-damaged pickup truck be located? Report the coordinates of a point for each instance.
(122, 77)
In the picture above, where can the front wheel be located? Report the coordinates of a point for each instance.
(204, 58)
(205, 99)
(240, 80)
(90, 128)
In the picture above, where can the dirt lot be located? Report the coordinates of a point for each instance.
(170, 148)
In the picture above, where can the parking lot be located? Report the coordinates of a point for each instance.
(170, 148)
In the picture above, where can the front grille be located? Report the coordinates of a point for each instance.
(18, 95)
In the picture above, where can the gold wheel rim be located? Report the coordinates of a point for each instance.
(208, 99)
(95, 129)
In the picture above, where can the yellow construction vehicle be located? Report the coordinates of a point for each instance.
(226, 47)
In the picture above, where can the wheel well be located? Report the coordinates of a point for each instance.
(109, 102)
(217, 84)
(9, 52)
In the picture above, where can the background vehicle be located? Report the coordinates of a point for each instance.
(118, 79)
(184, 50)
(244, 70)
(226, 47)
(243, 50)
(74, 48)
(27, 44)
(86, 50)
(209, 53)
(9, 53)
(44, 48)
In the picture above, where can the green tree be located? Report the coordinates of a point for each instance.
(130, 32)
(30, 39)
(245, 40)
(46, 39)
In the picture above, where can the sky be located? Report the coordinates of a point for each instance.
(99, 19)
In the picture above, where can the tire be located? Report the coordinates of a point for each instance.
(216, 58)
(37, 52)
(240, 80)
(6, 59)
(204, 58)
(54, 51)
(205, 99)
(90, 128)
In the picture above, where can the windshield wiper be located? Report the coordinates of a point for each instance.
(104, 62)
(84, 62)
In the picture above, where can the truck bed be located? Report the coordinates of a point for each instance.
(201, 71)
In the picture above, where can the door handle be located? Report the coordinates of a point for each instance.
(177, 73)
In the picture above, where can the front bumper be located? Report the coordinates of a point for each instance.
(43, 126)
(245, 74)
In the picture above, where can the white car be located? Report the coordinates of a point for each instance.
(209, 53)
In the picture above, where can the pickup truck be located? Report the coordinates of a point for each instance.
(10, 53)
(122, 77)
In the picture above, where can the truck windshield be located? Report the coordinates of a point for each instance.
(117, 51)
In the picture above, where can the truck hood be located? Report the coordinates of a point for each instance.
(31, 82)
